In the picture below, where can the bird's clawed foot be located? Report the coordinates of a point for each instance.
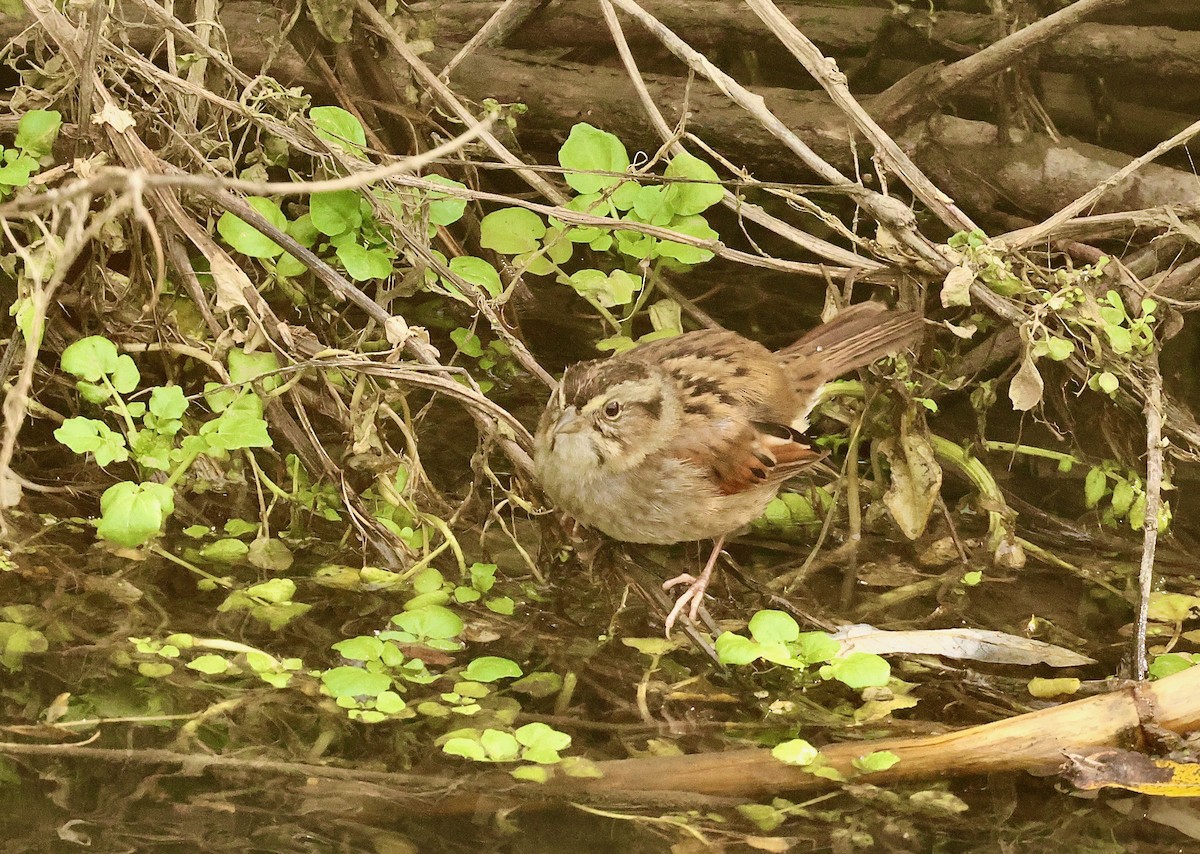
(694, 595)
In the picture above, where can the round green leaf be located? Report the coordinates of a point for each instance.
(445, 209)
(467, 748)
(363, 264)
(339, 127)
(500, 746)
(511, 231)
(795, 752)
(489, 668)
(82, 435)
(688, 199)
(36, 132)
(478, 272)
(209, 664)
(589, 148)
(538, 734)
(168, 402)
(859, 670)
(736, 649)
(432, 621)
(245, 238)
(773, 626)
(133, 513)
(879, 760)
(692, 226)
(335, 212)
(362, 648)
(355, 682)
(90, 358)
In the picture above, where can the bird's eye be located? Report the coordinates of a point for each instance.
(612, 409)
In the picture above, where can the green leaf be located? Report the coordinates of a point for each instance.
(445, 209)
(133, 513)
(270, 554)
(616, 288)
(390, 703)
(490, 668)
(467, 748)
(478, 272)
(503, 605)
(1118, 338)
(339, 127)
(511, 231)
(337, 212)
(539, 685)
(859, 670)
(155, 669)
(1107, 383)
(795, 752)
(427, 581)
(1122, 497)
(17, 172)
(168, 402)
(814, 647)
(736, 649)
(483, 576)
(245, 238)
(879, 760)
(362, 648)
(241, 425)
(1046, 688)
(82, 435)
(1170, 664)
(652, 205)
(500, 746)
(763, 816)
(692, 226)
(363, 264)
(90, 358)
(225, 550)
(432, 621)
(1059, 349)
(589, 148)
(667, 316)
(467, 342)
(355, 682)
(303, 231)
(275, 591)
(36, 132)
(253, 367)
(125, 377)
(209, 664)
(688, 199)
(538, 734)
(531, 774)
(767, 626)
(1095, 485)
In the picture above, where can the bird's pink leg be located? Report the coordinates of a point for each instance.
(696, 587)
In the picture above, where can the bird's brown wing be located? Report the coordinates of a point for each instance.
(737, 402)
(740, 456)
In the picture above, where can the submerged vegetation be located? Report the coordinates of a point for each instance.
(274, 352)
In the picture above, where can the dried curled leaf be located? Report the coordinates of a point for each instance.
(1025, 390)
(916, 481)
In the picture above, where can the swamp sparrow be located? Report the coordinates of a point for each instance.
(690, 437)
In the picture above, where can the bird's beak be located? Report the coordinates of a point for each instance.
(569, 422)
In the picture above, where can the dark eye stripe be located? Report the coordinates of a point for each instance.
(653, 408)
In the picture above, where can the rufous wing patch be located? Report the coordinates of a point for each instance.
(750, 456)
